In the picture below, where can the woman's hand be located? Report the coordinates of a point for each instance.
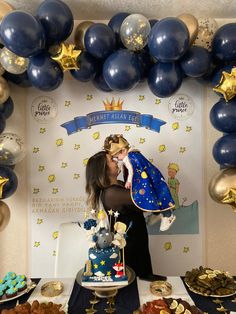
(128, 185)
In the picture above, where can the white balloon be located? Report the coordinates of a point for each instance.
(12, 149)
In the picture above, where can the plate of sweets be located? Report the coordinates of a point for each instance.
(168, 306)
(13, 286)
(36, 308)
(209, 282)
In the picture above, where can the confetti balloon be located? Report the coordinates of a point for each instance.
(206, 31)
(12, 149)
(134, 32)
(12, 63)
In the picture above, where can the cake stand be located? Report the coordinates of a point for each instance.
(107, 292)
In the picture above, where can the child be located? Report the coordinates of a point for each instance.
(149, 190)
(173, 182)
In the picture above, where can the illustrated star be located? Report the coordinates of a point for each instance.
(41, 168)
(3, 181)
(141, 140)
(186, 249)
(158, 101)
(227, 85)
(54, 190)
(35, 191)
(77, 146)
(127, 127)
(42, 130)
(67, 103)
(64, 164)
(76, 176)
(93, 211)
(39, 221)
(35, 150)
(188, 129)
(67, 57)
(102, 262)
(141, 97)
(182, 149)
(36, 243)
(95, 266)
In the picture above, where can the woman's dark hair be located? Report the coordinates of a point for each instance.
(96, 178)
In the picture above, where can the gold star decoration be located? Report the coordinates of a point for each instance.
(127, 128)
(141, 97)
(67, 57)
(227, 85)
(230, 198)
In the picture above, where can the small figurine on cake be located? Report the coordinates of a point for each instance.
(106, 263)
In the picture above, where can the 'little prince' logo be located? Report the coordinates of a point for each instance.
(43, 109)
(181, 106)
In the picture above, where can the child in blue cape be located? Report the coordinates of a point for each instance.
(148, 188)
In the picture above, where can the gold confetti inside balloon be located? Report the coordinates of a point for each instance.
(134, 32)
(4, 215)
(80, 32)
(13, 63)
(192, 24)
(227, 85)
(206, 31)
(222, 187)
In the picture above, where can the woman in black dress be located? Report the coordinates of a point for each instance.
(102, 184)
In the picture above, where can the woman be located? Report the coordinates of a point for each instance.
(102, 184)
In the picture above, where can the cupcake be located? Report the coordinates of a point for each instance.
(11, 292)
(2, 281)
(1, 294)
(11, 283)
(10, 275)
(20, 278)
(21, 285)
(3, 287)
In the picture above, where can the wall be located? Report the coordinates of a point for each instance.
(220, 240)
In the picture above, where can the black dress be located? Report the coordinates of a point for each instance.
(137, 255)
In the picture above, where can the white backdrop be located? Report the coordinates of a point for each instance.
(56, 166)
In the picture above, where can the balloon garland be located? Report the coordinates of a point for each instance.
(120, 55)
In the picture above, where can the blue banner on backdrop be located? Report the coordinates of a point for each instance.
(110, 117)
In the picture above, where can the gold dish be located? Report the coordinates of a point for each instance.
(52, 288)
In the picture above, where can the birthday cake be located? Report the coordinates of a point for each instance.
(106, 261)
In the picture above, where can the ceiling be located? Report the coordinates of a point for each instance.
(105, 9)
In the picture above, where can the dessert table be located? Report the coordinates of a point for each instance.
(128, 299)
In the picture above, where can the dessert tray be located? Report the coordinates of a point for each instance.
(30, 285)
(210, 283)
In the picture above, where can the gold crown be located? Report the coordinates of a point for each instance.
(116, 147)
(113, 105)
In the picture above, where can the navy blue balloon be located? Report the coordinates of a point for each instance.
(2, 123)
(223, 116)
(100, 40)
(224, 150)
(168, 39)
(115, 24)
(22, 34)
(7, 108)
(57, 20)
(44, 73)
(87, 68)
(196, 62)
(165, 79)
(224, 43)
(10, 187)
(19, 79)
(100, 83)
(121, 70)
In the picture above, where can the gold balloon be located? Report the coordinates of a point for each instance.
(4, 215)
(227, 85)
(4, 90)
(222, 187)
(80, 31)
(192, 24)
(5, 8)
